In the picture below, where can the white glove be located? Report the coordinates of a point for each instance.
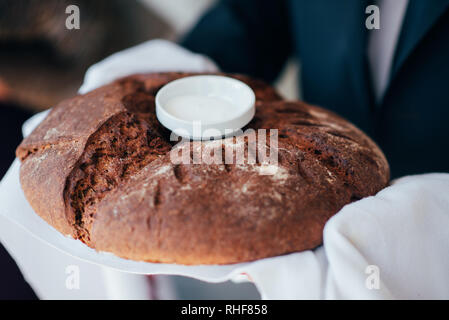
(151, 56)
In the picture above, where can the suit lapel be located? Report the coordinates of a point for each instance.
(420, 16)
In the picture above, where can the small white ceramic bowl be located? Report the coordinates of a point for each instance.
(205, 106)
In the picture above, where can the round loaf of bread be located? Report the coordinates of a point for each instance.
(99, 169)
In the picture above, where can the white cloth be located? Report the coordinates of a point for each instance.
(401, 235)
(49, 271)
(382, 42)
(403, 231)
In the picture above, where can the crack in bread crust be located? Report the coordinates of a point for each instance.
(121, 147)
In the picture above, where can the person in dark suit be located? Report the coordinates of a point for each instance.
(392, 82)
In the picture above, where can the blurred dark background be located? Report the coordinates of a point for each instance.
(12, 284)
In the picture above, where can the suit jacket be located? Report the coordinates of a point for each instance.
(410, 122)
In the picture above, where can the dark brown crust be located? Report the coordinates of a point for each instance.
(98, 168)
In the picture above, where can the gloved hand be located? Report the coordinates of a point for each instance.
(151, 56)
